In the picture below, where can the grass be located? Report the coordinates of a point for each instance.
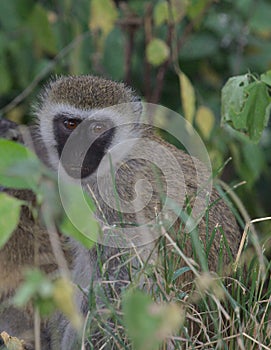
(208, 311)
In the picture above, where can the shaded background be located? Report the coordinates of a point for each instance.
(146, 44)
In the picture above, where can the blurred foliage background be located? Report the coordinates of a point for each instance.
(154, 46)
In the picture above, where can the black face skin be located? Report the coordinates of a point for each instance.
(90, 136)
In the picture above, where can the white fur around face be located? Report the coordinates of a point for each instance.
(121, 114)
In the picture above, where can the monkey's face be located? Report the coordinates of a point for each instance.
(89, 140)
(79, 130)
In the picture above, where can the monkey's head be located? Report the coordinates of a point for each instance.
(93, 113)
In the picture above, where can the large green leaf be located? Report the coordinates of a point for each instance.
(257, 109)
(9, 216)
(19, 167)
(233, 100)
(79, 221)
(246, 105)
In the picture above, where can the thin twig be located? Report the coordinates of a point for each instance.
(147, 65)
(56, 247)
(37, 329)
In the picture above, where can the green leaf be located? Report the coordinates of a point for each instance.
(233, 100)
(9, 216)
(157, 52)
(266, 77)
(176, 12)
(36, 287)
(257, 109)
(42, 30)
(149, 323)
(246, 105)
(188, 97)
(79, 221)
(195, 8)
(205, 120)
(19, 167)
(69, 229)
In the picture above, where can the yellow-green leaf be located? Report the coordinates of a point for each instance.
(188, 97)
(205, 120)
(63, 296)
(160, 14)
(179, 9)
(103, 16)
(9, 216)
(157, 52)
(176, 12)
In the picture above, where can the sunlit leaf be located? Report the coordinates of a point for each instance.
(103, 16)
(205, 120)
(160, 14)
(63, 296)
(157, 52)
(9, 216)
(188, 97)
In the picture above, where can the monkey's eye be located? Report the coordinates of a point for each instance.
(98, 128)
(71, 124)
